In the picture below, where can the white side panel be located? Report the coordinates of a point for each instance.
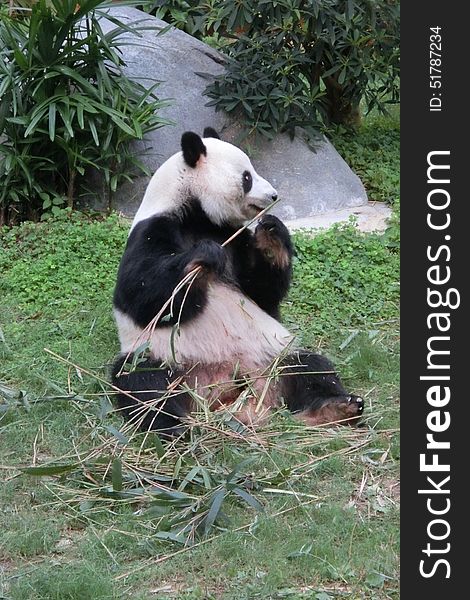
(231, 328)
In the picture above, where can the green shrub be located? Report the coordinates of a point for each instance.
(373, 152)
(298, 62)
(66, 107)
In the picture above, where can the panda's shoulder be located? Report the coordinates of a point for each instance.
(153, 227)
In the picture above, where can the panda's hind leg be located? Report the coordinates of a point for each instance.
(313, 391)
(149, 396)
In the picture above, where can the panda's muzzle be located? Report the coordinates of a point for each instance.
(259, 206)
(256, 208)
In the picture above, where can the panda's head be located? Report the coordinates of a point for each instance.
(217, 174)
(223, 179)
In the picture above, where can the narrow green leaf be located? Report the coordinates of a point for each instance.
(176, 470)
(80, 119)
(52, 115)
(124, 126)
(5, 84)
(249, 499)
(214, 510)
(20, 59)
(206, 478)
(117, 434)
(43, 470)
(67, 117)
(238, 468)
(189, 477)
(159, 448)
(116, 475)
(94, 132)
(173, 495)
(171, 536)
(39, 114)
(137, 129)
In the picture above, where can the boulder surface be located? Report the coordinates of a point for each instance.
(309, 182)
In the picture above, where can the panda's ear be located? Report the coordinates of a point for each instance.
(211, 133)
(193, 147)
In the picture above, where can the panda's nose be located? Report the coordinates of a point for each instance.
(274, 197)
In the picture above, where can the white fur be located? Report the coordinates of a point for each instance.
(230, 329)
(216, 180)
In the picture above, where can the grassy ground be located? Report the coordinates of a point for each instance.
(290, 512)
(374, 154)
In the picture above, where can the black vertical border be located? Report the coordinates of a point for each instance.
(423, 131)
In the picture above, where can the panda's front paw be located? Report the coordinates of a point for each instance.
(208, 255)
(273, 240)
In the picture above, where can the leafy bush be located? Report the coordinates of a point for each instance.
(298, 62)
(373, 152)
(66, 107)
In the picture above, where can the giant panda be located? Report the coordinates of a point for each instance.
(220, 340)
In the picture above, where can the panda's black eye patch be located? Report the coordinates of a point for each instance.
(247, 181)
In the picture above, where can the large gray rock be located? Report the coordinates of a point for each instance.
(308, 183)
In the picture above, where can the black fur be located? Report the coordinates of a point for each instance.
(161, 250)
(210, 132)
(309, 380)
(192, 147)
(165, 414)
(262, 280)
(310, 385)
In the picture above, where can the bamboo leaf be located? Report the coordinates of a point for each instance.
(117, 434)
(189, 477)
(171, 536)
(94, 132)
(249, 499)
(159, 448)
(175, 330)
(214, 509)
(52, 115)
(116, 475)
(43, 470)
(238, 468)
(39, 114)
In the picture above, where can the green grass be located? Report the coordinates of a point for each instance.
(373, 152)
(79, 580)
(329, 524)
